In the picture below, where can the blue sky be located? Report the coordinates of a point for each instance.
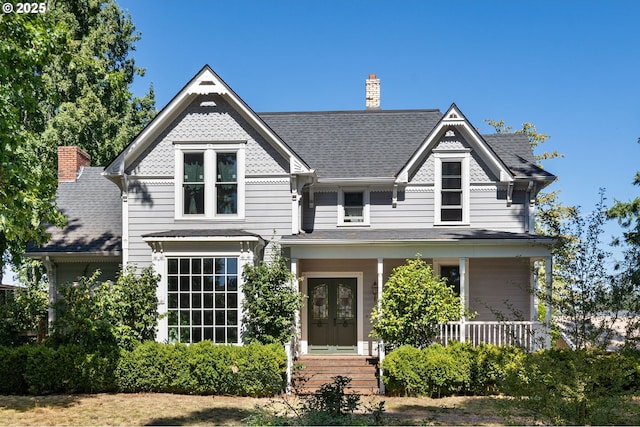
(569, 67)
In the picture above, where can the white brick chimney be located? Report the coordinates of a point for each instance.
(372, 88)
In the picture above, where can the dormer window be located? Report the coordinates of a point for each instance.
(353, 207)
(451, 188)
(209, 181)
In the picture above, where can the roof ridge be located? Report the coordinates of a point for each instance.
(434, 110)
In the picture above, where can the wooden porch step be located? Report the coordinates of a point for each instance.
(316, 370)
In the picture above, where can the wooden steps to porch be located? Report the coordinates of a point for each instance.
(312, 371)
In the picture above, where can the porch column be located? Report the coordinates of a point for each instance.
(534, 291)
(379, 302)
(549, 283)
(53, 291)
(462, 263)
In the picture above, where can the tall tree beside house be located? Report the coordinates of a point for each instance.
(552, 216)
(89, 101)
(27, 183)
(628, 272)
(65, 80)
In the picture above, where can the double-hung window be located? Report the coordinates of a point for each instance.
(451, 188)
(353, 207)
(209, 181)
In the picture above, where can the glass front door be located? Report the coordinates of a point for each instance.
(332, 318)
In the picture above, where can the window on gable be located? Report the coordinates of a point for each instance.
(452, 200)
(209, 181)
(226, 183)
(193, 184)
(451, 191)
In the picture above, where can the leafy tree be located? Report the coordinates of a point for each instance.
(89, 102)
(628, 216)
(413, 302)
(27, 184)
(270, 301)
(93, 313)
(590, 300)
(26, 310)
(65, 77)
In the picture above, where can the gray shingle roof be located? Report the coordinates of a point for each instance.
(93, 209)
(515, 151)
(378, 143)
(354, 144)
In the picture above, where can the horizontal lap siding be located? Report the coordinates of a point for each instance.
(499, 285)
(413, 210)
(489, 210)
(267, 208)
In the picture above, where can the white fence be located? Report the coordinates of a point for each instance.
(527, 335)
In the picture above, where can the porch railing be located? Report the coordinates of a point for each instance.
(527, 335)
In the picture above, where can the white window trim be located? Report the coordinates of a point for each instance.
(210, 149)
(365, 208)
(462, 157)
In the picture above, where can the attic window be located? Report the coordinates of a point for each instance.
(353, 207)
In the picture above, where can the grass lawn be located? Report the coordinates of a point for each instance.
(170, 409)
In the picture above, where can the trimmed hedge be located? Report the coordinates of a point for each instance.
(202, 368)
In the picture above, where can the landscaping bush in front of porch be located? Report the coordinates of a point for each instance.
(556, 386)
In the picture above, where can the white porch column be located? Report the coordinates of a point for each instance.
(380, 342)
(53, 291)
(534, 291)
(549, 283)
(159, 264)
(296, 286)
(462, 265)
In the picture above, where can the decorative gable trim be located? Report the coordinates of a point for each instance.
(205, 82)
(452, 122)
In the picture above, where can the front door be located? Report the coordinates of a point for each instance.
(332, 315)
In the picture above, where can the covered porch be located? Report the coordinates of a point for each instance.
(342, 274)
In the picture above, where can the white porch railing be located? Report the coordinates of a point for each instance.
(527, 335)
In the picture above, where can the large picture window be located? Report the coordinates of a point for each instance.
(209, 181)
(203, 299)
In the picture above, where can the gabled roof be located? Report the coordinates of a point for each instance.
(354, 144)
(93, 208)
(206, 81)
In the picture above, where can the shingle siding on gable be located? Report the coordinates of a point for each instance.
(209, 118)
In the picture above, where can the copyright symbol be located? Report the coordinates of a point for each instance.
(7, 7)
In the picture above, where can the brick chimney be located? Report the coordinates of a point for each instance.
(70, 162)
(372, 88)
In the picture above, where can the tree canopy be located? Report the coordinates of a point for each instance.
(65, 78)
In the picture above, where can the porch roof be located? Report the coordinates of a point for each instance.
(434, 235)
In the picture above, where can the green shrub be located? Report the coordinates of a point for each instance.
(12, 368)
(403, 372)
(492, 365)
(203, 368)
(575, 387)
